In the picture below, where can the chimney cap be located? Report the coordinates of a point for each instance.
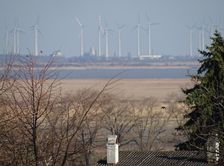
(112, 139)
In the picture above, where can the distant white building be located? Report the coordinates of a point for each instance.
(92, 51)
(144, 57)
(57, 53)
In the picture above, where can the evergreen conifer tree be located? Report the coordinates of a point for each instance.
(206, 99)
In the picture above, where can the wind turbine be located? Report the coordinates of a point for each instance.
(36, 30)
(99, 35)
(7, 42)
(215, 27)
(106, 42)
(149, 35)
(81, 36)
(15, 31)
(212, 28)
(201, 37)
(106, 34)
(35, 40)
(120, 28)
(138, 35)
(18, 31)
(190, 39)
(191, 46)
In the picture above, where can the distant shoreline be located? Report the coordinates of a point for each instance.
(119, 67)
(115, 67)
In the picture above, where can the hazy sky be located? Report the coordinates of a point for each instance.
(60, 30)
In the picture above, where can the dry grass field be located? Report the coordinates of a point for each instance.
(137, 89)
(130, 88)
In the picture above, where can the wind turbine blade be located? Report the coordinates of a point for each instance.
(78, 21)
(138, 18)
(145, 29)
(110, 31)
(147, 17)
(154, 23)
(38, 20)
(40, 32)
(190, 27)
(99, 21)
(20, 30)
(12, 31)
(135, 27)
(121, 27)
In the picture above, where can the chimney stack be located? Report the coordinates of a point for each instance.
(112, 150)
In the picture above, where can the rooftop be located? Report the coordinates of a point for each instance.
(174, 158)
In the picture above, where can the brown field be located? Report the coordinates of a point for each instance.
(130, 88)
(136, 89)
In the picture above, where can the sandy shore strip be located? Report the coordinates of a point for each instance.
(131, 88)
(121, 67)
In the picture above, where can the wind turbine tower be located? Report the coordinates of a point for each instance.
(7, 42)
(191, 46)
(35, 29)
(120, 28)
(138, 35)
(203, 37)
(15, 32)
(107, 43)
(81, 36)
(99, 35)
(149, 35)
(14, 40)
(17, 41)
(149, 39)
(190, 40)
(18, 31)
(106, 31)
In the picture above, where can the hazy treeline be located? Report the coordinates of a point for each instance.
(41, 126)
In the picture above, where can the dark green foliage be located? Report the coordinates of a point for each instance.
(206, 99)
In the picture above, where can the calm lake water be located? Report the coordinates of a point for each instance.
(127, 73)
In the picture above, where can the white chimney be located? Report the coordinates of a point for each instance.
(112, 150)
(213, 149)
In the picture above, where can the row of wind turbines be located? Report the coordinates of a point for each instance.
(202, 30)
(15, 33)
(201, 38)
(105, 31)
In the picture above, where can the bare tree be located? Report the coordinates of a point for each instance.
(120, 118)
(46, 128)
(92, 124)
(151, 125)
(73, 127)
(6, 75)
(30, 100)
(7, 80)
